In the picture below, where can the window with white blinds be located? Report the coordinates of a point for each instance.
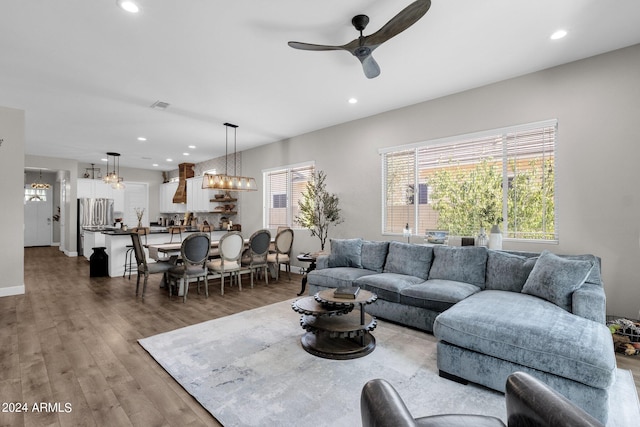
(460, 184)
(283, 187)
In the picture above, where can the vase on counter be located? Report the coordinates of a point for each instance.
(495, 238)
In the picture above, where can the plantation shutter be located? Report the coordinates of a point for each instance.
(283, 189)
(277, 198)
(504, 176)
(530, 157)
(399, 172)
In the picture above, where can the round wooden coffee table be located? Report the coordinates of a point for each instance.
(334, 329)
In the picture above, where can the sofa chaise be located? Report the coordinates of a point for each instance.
(493, 312)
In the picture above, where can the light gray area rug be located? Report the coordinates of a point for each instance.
(249, 369)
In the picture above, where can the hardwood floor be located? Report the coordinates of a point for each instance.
(71, 343)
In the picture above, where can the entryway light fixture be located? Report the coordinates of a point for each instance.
(39, 185)
(113, 177)
(225, 181)
(128, 5)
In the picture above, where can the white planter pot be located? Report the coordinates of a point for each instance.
(495, 238)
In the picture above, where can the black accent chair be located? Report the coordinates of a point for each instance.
(530, 403)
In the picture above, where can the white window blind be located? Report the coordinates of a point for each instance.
(283, 189)
(459, 184)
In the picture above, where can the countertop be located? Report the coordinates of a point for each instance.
(152, 230)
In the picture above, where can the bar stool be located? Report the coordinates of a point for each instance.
(175, 230)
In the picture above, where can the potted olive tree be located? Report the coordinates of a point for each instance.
(318, 209)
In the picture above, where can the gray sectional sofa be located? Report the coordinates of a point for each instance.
(493, 312)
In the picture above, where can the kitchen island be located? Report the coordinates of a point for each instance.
(116, 242)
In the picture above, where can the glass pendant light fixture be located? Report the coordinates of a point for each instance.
(113, 176)
(225, 181)
(39, 185)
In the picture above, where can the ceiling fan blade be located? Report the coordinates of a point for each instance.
(309, 46)
(370, 66)
(403, 20)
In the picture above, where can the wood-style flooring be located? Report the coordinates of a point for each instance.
(70, 343)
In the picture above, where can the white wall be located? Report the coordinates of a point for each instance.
(12, 196)
(597, 104)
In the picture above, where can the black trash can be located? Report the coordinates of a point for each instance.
(98, 263)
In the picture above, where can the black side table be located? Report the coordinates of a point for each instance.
(311, 259)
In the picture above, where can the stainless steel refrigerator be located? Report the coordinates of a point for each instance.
(93, 214)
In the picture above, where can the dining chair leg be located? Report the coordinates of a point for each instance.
(222, 283)
(239, 281)
(185, 283)
(144, 285)
(206, 285)
(137, 283)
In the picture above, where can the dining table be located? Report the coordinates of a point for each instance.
(171, 253)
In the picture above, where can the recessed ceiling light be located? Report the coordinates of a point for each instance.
(104, 160)
(353, 101)
(558, 34)
(142, 138)
(185, 154)
(128, 5)
(155, 165)
(192, 146)
(169, 160)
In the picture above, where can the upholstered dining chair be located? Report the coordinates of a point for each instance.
(144, 268)
(272, 246)
(282, 254)
(254, 258)
(128, 256)
(195, 254)
(208, 228)
(230, 250)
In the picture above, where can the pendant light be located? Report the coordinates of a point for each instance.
(225, 181)
(113, 177)
(39, 185)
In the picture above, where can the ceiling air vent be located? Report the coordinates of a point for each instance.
(160, 105)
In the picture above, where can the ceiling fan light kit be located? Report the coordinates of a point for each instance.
(363, 47)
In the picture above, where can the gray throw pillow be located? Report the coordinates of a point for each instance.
(466, 264)
(409, 259)
(507, 272)
(346, 253)
(374, 255)
(555, 279)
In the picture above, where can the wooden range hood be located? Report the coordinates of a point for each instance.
(185, 171)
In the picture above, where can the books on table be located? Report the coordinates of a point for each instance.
(346, 293)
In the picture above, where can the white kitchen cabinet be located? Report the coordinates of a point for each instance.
(97, 189)
(165, 199)
(86, 188)
(198, 198)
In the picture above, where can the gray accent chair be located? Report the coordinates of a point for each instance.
(530, 403)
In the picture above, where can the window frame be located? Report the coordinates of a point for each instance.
(503, 132)
(268, 196)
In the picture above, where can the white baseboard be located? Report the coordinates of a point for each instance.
(10, 291)
(70, 254)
